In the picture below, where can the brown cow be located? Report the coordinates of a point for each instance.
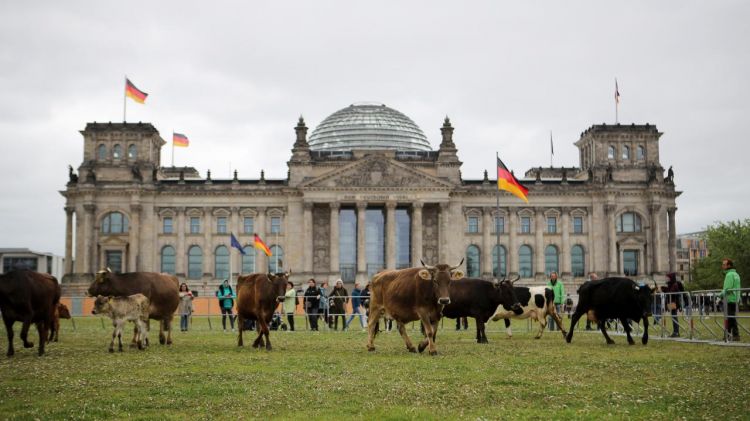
(411, 294)
(28, 297)
(258, 295)
(161, 289)
(61, 312)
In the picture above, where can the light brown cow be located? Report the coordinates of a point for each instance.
(161, 289)
(411, 294)
(258, 295)
(134, 308)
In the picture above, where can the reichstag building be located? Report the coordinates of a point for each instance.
(365, 191)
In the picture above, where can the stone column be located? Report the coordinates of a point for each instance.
(611, 240)
(208, 247)
(416, 234)
(134, 237)
(591, 253)
(261, 264)
(443, 234)
(69, 239)
(512, 256)
(307, 232)
(565, 266)
(181, 250)
(539, 228)
(334, 236)
(89, 244)
(361, 255)
(672, 239)
(390, 235)
(81, 243)
(487, 246)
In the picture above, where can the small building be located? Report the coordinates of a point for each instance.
(690, 247)
(23, 258)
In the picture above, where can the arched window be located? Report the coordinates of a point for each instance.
(248, 260)
(626, 152)
(577, 260)
(472, 261)
(132, 152)
(551, 260)
(640, 153)
(501, 251)
(117, 152)
(628, 222)
(101, 153)
(276, 259)
(221, 263)
(195, 262)
(525, 257)
(167, 260)
(114, 223)
(611, 152)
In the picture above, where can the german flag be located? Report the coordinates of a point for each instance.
(508, 182)
(134, 93)
(260, 245)
(180, 140)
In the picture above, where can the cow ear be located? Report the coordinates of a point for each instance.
(109, 270)
(457, 274)
(425, 274)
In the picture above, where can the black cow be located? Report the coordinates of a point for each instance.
(614, 298)
(477, 298)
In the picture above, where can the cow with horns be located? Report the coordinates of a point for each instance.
(411, 294)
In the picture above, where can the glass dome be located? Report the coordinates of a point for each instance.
(368, 126)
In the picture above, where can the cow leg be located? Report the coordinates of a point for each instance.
(372, 325)
(577, 315)
(644, 339)
(144, 333)
(114, 335)
(627, 328)
(553, 313)
(405, 336)
(240, 324)
(430, 329)
(508, 330)
(25, 334)
(266, 331)
(542, 319)
(41, 327)
(603, 328)
(162, 338)
(120, 326)
(9, 331)
(167, 322)
(259, 322)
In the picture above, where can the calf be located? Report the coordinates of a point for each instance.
(61, 312)
(536, 303)
(134, 308)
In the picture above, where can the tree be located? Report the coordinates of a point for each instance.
(724, 240)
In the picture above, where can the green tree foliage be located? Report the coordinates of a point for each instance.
(724, 240)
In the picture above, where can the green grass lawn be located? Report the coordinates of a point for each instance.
(330, 375)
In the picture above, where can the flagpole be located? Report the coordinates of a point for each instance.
(551, 149)
(617, 103)
(172, 148)
(277, 251)
(497, 215)
(125, 101)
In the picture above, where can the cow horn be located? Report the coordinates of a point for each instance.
(458, 265)
(426, 266)
(109, 270)
(512, 281)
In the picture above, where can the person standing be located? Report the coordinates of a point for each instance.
(324, 305)
(339, 298)
(226, 302)
(673, 292)
(312, 303)
(556, 287)
(290, 304)
(730, 292)
(186, 306)
(356, 304)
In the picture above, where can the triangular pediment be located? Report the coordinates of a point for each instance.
(376, 172)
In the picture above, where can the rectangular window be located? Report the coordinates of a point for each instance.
(473, 224)
(114, 260)
(499, 224)
(578, 224)
(248, 225)
(551, 225)
(11, 263)
(275, 225)
(221, 225)
(167, 229)
(195, 225)
(630, 262)
(525, 225)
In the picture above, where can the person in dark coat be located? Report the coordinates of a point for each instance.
(338, 297)
(673, 290)
(312, 302)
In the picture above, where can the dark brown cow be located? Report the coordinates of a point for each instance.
(28, 297)
(258, 295)
(61, 312)
(411, 294)
(161, 289)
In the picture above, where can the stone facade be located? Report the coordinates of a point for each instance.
(614, 214)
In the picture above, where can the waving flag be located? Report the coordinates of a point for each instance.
(617, 93)
(236, 244)
(508, 182)
(180, 140)
(134, 93)
(260, 245)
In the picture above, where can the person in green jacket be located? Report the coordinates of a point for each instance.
(730, 293)
(559, 290)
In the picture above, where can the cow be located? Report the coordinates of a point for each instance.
(28, 297)
(614, 298)
(407, 295)
(477, 298)
(536, 303)
(161, 289)
(61, 312)
(133, 308)
(258, 295)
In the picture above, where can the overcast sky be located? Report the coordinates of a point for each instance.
(235, 76)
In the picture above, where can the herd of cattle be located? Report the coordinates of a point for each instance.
(416, 294)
